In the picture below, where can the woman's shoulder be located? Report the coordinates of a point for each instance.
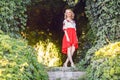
(64, 20)
(67, 21)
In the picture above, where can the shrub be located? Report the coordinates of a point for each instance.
(48, 48)
(48, 53)
(18, 61)
(105, 64)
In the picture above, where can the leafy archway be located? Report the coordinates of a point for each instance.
(44, 25)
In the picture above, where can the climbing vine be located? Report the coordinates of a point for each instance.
(12, 16)
(104, 20)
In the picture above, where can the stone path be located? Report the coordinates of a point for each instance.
(65, 73)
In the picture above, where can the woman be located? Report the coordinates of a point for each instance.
(70, 40)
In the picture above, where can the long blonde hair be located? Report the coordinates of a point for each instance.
(65, 16)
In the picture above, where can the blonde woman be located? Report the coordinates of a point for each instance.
(70, 40)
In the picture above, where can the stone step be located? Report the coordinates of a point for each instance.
(62, 69)
(63, 73)
(60, 75)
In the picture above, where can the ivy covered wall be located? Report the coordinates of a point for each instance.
(12, 16)
(104, 20)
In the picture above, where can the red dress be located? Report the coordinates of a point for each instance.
(69, 26)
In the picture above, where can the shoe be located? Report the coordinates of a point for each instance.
(72, 65)
(64, 65)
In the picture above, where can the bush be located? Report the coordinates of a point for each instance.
(18, 61)
(47, 47)
(48, 53)
(105, 64)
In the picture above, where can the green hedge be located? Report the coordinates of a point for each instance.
(18, 61)
(13, 16)
(105, 65)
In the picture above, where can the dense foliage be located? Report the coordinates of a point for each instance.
(44, 30)
(72, 2)
(105, 64)
(18, 61)
(48, 53)
(48, 50)
(104, 20)
(12, 16)
(86, 42)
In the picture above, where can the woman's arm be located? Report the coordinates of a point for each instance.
(64, 29)
(66, 35)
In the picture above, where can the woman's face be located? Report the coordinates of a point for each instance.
(68, 13)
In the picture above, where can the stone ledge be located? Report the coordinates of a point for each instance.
(62, 69)
(60, 75)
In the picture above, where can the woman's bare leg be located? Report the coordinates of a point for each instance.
(67, 60)
(72, 50)
(70, 55)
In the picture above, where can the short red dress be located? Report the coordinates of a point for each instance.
(70, 28)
